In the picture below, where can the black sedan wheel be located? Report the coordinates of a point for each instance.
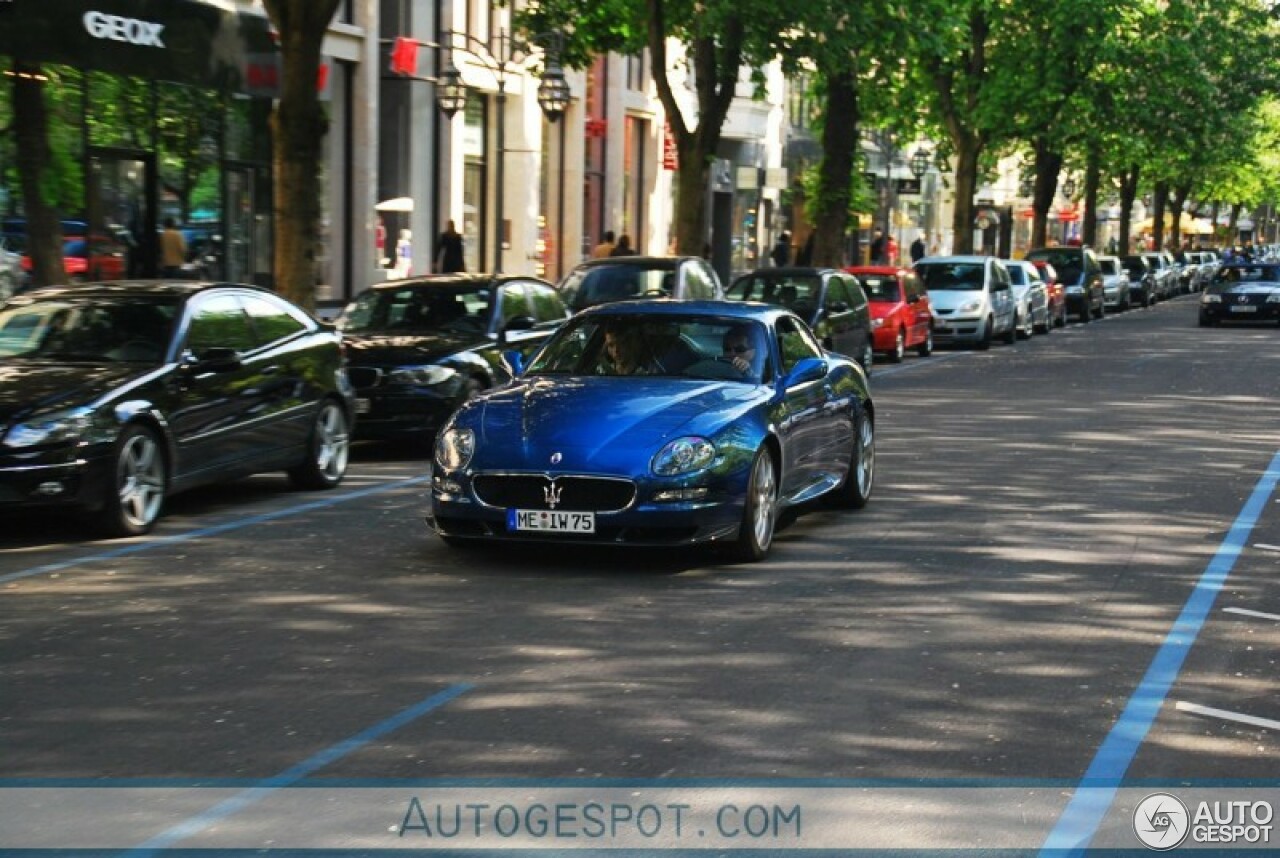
(327, 450)
(136, 494)
(760, 512)
(926, 347)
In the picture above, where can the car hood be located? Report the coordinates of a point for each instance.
(393, 349)
(602, 425)
(26, 388)
(952, 299)
(1245, 289)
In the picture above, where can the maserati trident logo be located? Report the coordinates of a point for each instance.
(555, 458)
(551, 494)
(1243, 299)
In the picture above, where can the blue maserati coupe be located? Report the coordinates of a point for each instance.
(659, 422)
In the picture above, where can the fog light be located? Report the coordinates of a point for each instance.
(50, 489)
(448, 487)
(681, 494)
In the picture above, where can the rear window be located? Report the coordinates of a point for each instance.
(879, 287)
(601, 284)
(1067, 262)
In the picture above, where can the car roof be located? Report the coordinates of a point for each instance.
(137, 288)
(459, 279)
(656, 262)
(674, 307)
(978, 258)
(887, 270)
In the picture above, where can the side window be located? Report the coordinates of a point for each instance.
(836, 294)
(271, 323)
(513, 302)
(857, 297)
(795, 343)
(220, 322)
(547, 306)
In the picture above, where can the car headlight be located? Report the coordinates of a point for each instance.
(1075, 290)
(877, 323)
(1210, 298)
(684, 456)
(970, 307)
(1273, 298)
(454, 448)
(52, 427)
(424, 376)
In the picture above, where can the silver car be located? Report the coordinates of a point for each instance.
(972, 299)
(11, 273)
(1032, 297)
(1115, 283)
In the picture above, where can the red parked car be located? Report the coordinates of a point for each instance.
(1055, 292)
(99, 258)
(901, 316)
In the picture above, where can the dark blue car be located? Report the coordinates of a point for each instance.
(659, 423)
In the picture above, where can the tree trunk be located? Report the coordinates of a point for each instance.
(1128, 193)
(1089, 235)
(1160, 198)
(30, 124)
(839, 145)
(1233, 225)
(691, 180)
(1047, 166)
(968, 151)
(298, 126)
(1180, 194)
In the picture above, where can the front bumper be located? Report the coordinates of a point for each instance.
(81, 482)
(1216, 313)
(383, 414)
(457, 513)
(961, 329)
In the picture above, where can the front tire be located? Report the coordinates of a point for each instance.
(899, 347)
(855, 491)
(760, 511)
(925, 348)
(135, 493)
(328, 449)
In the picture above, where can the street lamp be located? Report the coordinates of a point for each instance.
(920, 162)
(1069, 187)
(511, 57)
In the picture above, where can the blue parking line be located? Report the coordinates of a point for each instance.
(1096, 790)
(209, 531)
(292, 775)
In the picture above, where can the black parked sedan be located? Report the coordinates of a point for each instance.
(114, 395)
(419, 348)
(1241, 292)
(831, 302)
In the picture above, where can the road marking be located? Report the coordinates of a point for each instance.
(1196, 709)
(1265, 547)
(1096, 791)
(290, 776)
(1245, 612)
(209, 531)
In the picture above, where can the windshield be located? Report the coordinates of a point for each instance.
(600, 284)
(461, 308)
(643, 345)
(965, 276)
(1018, 275)
(112, 329)
(1248, 274)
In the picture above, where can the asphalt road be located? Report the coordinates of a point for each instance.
(1043, 515)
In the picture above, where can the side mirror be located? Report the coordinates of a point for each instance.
(839, 307)
(216, 359)
(519, 323)
(514, 361)
(805, 371)
(913, 298)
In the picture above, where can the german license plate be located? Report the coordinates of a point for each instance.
(1244, 308)
(362, 405)
(551, 521)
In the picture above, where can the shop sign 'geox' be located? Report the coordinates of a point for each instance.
(141, 33)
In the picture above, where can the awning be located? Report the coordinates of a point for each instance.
(1188, 225)
(398, 204)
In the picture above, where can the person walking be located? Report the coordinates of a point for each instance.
(173, 250)
(604, 248)
(781, 253)
(878, 256)
(623, 247)
(917, 248)
(448, 256)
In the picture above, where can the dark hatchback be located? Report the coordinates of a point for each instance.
(115, 395)
(1081, 277)
(832, 303)
(1242, 293)
(621, 278)
(419, 348)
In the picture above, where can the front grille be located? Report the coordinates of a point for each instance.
(943, 312)
(364, 377)
(574, 494)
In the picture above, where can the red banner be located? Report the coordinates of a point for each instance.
(670, 155)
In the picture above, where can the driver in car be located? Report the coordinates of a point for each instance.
(741, 349)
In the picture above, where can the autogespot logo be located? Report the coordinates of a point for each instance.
(1161, 821)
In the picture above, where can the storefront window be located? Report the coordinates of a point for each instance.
(474, 210)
